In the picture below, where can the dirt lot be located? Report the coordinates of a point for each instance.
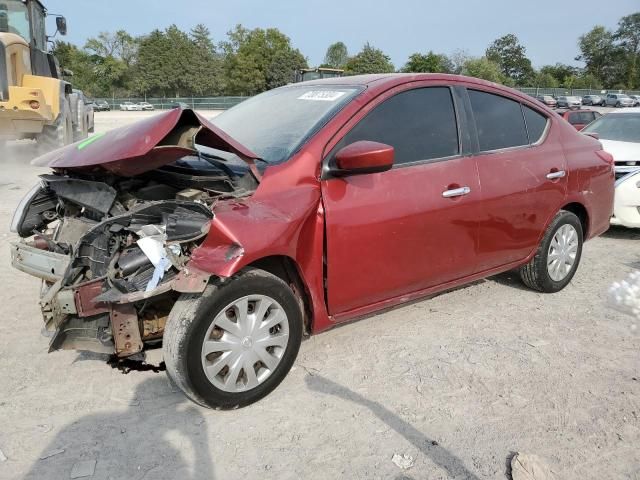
(457, 382)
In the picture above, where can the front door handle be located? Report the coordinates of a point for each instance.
(456, 192)
(554, 175)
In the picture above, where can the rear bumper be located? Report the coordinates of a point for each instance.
(626, 210)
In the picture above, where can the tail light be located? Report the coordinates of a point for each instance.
(606, 156)
(34, 104)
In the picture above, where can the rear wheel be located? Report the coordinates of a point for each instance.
(235, 343)
(557, 257)
(60, 133)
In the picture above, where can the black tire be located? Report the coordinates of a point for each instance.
(618, 105)
(190, 319)
(535, 274)
(60, 133)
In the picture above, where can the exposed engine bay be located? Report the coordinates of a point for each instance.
(113, 251)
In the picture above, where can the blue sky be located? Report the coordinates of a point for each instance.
(549, 29)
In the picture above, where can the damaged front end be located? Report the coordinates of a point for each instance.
(112, 239)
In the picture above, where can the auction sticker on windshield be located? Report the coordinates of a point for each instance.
(322, 95)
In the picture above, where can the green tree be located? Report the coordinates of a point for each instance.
(628, 34)
(602, 57)
(79, 62)
(257, 60)
(429, 63)
(163, 62)
(559, 71)
(458, 58)
(206, 64)
(336, 56)
(119, 45)
(509, 55)
(369, 60)
(483, 68)
(586, 80)
(544, 79)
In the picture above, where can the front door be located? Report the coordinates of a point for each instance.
(413, 227)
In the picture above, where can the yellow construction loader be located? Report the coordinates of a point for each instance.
(35, 101)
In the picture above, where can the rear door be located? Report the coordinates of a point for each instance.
(522, 173)
(401, 231)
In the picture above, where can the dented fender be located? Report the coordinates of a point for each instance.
(244, 231)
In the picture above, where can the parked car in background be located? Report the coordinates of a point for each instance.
(636, 100)
(565, 101)
(579, 118)
(101, 106)
(145, 106)
(618, 100)
(594, 100)
(548, 100)
(130, 106)
(82, 115)
(339, 206)
(179, 105)
(619, 133)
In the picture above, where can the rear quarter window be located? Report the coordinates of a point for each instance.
(499, 121)
(536, 124)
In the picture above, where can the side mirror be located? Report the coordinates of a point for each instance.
(363, 157)
(61, 25)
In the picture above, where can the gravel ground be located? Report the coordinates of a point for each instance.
(457, 383)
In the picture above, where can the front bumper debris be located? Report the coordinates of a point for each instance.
(49, 266)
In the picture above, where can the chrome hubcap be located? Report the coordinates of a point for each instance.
(562, 252)
(245, 343)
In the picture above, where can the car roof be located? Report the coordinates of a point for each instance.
(381, 82)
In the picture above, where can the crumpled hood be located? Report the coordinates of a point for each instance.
(145, 145)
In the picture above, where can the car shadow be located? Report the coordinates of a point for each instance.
(160, 435)
(439, 455)
(510, 279)
(622, 233)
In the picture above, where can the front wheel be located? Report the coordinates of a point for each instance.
(557, 257)
(233, 344)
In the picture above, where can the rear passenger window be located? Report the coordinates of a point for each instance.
(536, 123)
(420, 124)
(499, 121)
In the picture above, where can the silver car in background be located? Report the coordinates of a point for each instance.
(569, 102)
(619, 100)
(592, 100)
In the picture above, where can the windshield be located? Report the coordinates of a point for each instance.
(622, 127)
(14, 18)
(276, 123)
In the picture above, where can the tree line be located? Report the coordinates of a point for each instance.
(174, 63)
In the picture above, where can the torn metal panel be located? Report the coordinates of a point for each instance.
(43, 264)
(85, 298)
(126, 332)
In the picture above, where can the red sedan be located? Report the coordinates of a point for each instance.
(300, 209)
(579, 118)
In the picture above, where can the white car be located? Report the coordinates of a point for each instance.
(619, 133)
(145, 106)
(130, 106)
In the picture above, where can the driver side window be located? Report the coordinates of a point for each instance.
(420, 124)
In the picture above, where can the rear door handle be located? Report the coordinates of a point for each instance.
(456, 192)
(558, 174)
